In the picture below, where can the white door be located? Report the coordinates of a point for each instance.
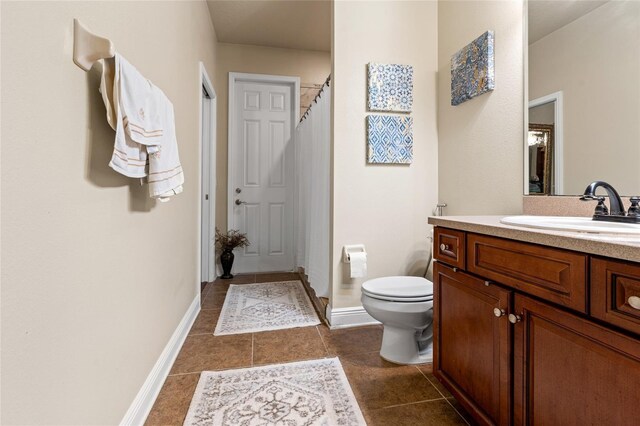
(261, 174)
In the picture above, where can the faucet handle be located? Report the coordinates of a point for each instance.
(634, 208)
(601, 208)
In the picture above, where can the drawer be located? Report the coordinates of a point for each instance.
(449, 246)
(615, 293)
(558, 276)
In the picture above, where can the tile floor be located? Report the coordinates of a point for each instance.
(388, 394)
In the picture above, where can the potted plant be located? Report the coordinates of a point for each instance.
(226, 243)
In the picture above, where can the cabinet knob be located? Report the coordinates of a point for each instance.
(499, 312)
(513, 319)
(634, 302)
(444, 247)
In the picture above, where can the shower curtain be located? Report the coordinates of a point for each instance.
(313, 148)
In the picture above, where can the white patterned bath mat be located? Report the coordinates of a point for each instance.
(307, 393)
(251, 308)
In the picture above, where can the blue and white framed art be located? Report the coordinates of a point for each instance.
(390, 87)
(472, 69)
(389, 139)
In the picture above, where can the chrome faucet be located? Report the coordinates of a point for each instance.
(616, 207)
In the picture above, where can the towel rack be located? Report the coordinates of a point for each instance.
(88, 47)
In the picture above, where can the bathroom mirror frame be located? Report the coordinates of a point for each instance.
(561, 141)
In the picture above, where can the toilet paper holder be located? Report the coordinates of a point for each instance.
(347, 250)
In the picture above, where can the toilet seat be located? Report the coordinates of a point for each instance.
(399, 289)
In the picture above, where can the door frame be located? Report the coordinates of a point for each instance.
(205, 81)
(234, 78)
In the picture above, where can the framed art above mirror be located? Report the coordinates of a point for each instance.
(584, 88)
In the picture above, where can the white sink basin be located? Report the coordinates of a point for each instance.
(575, 224)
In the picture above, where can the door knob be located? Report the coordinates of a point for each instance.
(499, 312)
(238, 190)
(513, 319)
(238, 202)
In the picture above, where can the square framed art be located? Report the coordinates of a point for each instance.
(389, 139)
(390, 87)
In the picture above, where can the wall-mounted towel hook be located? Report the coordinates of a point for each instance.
(88, 47)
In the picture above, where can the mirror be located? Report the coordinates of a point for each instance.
(584, 96)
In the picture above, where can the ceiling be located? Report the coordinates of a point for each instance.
(300, 24)
(546, 16)
(306, 24)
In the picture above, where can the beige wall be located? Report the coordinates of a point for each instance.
(310, 66)
(95, 277)
(543, 114)
(384, 207)
(594, 62)
(481, 141)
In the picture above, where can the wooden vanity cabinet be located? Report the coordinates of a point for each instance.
(474, 349)
(536, 350)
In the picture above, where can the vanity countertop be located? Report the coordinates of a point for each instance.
(625, 247)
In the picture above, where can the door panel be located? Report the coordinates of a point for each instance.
(252, 228)
(251, 142)
(568, 371)
(251, 100)
(277, 101)
(277, 144)
(261, 169)
(473, 352)
(276, 228)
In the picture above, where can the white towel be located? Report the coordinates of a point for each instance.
(145, 143)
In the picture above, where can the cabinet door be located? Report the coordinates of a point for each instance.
(472, 345)
(570, 371)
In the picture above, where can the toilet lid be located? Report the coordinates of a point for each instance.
(400, 289)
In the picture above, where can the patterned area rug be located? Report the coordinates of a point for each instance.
(267, 306)
(297, 394)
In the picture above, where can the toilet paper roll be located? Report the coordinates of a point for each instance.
(358, 264)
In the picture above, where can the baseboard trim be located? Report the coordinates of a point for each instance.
(348, 317)
(146, 397)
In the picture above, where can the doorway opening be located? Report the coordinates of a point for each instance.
(545, 166)
(207, 177)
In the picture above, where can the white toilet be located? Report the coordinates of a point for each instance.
(404, 306)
